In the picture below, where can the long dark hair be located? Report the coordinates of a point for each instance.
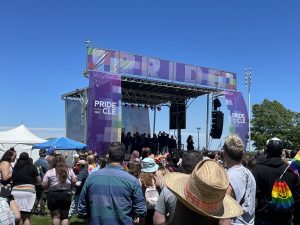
(7, 155)
(184, 216)
(189, 139)
(22, 162)
(61, 168)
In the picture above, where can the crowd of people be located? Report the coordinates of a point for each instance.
(156, 185)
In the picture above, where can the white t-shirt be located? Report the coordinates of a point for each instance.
(54, 183)
(244, 186)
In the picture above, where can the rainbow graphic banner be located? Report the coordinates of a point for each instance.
(238, 114)
(143, 67)
(282, 197)
(295, 164)
(104, 115)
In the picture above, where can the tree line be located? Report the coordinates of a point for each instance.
(270, 119)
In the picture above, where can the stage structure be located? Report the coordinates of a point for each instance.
(118, 78)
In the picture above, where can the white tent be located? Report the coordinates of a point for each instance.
(21, 139)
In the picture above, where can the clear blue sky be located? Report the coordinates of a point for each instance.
(42, 50)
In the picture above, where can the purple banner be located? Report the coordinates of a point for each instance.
(238, 114)
(151, 68)
(104, 118)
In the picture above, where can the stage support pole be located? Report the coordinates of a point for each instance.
(154, 121)
(207, 122)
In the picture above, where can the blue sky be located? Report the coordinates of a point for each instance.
(42, 50)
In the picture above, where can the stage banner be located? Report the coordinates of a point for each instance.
(238, 114)
(142, 67)
(104, 117)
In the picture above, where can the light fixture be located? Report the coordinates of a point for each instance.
(133, 106)
(158, 108)
(146, 107)
(152, 107)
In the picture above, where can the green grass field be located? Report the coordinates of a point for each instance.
(45, 220)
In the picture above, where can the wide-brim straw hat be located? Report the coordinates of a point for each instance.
(204, 191)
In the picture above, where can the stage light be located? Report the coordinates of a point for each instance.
(125, 105)
(146, 107)
(139, 106)
(158, 108)
(152, 107)
(132, 106)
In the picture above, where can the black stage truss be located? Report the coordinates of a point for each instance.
(152, 92)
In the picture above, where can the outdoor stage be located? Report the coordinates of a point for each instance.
(118, 78)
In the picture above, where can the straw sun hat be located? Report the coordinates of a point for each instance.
(204, 191)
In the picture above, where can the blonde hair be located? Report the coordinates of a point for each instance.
(234, 147)
(90, 159)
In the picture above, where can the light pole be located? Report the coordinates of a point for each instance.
(198, 128)
(248, 77)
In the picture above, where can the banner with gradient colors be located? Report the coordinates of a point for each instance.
(238, 114)
(104, 113)
(143, 67)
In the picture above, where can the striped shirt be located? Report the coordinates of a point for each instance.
(111, 196)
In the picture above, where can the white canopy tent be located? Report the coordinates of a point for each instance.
(21, 139)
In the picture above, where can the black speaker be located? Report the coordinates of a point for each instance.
(216, 103)
(217, 118)
(177, 116)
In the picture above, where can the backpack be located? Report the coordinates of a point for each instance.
(282, 198)
(151, 197)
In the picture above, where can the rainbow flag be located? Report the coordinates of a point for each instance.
(282, 197)
(295, 164)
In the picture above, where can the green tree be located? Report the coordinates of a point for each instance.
(272, 119)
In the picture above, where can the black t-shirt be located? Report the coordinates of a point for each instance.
(26, 175)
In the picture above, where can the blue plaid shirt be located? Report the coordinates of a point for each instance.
(111, 196)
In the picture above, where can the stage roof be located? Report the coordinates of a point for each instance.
(152, 92)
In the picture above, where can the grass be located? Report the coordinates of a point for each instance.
(45, 220)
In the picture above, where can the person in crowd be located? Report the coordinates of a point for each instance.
(128, 143)
(134, 168)
(205, 154)
(6, 214)
(76, 158)
(165, 206)
(146, 152)
(154, 144)
(163, 142)
(135, 156)
(265, 172)
(58, 182)
(91, 162)
(293, 153)
(81, 178)
(248, 160)
(172, 144)
(190, 143)
(25, 175)
(149, 179)
(201, 196)
(173, 162)
(112, 186)
(42, 166)
(6, 185)
(242, 185)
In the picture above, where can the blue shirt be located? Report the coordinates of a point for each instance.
(42, 166)
(111, 196)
